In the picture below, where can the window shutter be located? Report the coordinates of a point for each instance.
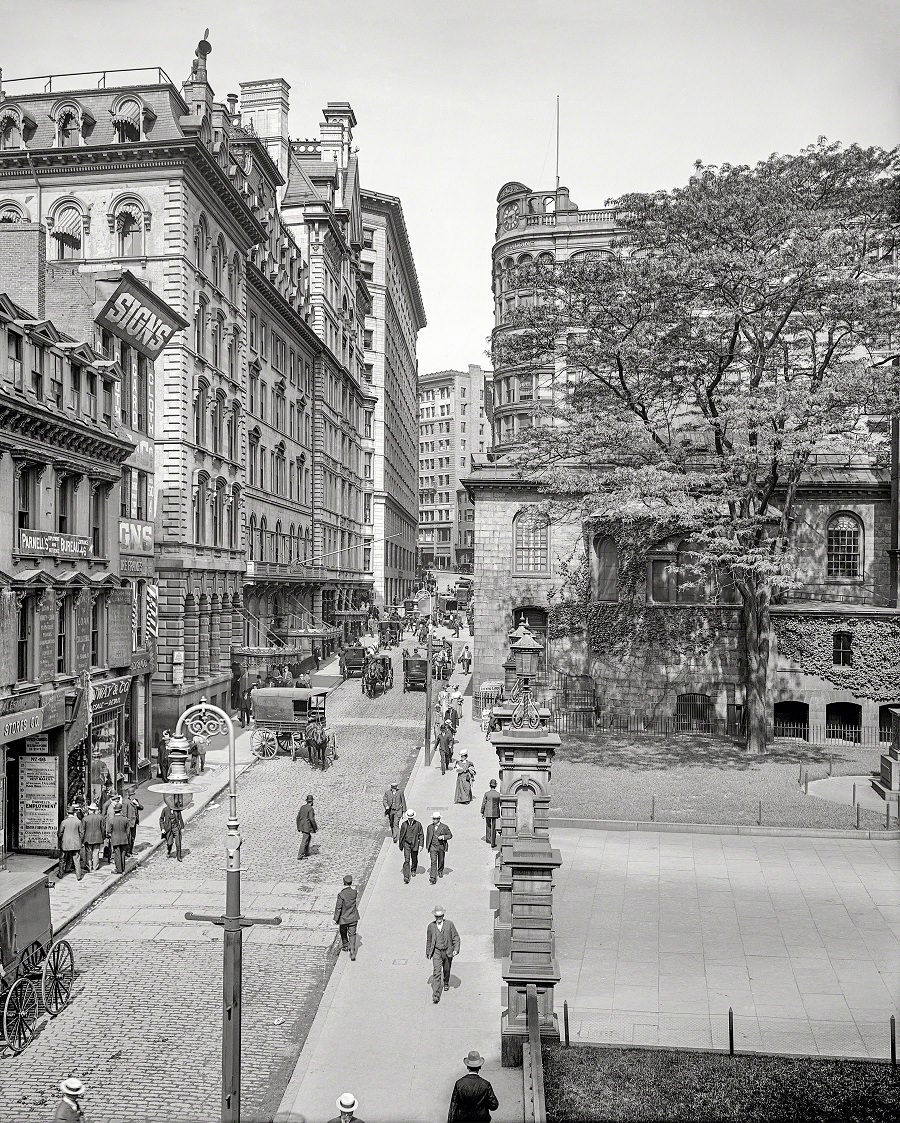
(9, 625)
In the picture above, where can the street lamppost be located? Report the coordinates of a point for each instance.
(204, 720)
(526, 653)
(428, 680)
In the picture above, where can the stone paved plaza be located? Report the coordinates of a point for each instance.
(144, 1024)
(658, 934)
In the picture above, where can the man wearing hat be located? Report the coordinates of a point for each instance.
(410, 840)
(307, 826)
(394, 807)
(68, 1110)
(490, 810)
(441, 945)
(473, 1098)
(445, 745)
(133, 809)
(119, 834)
(71, 839)
(436, 842)
(346, 1105)
(346, 915)
(93, 835)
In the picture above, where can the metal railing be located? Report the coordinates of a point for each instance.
(158, 77)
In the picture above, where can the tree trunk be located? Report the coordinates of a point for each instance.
(757, 635)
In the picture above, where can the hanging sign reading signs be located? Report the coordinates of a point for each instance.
(136, 314)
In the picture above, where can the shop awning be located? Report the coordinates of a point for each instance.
(69, 225)
(129, 114)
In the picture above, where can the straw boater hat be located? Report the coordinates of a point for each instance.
(438, 910)
(347, 1102)
(410, 814)
(435, 814)
(72, 1086)
(93, 806)
(473, 1059)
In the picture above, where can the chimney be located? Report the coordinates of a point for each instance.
(265, 105)
(336, 132)
(232, 101)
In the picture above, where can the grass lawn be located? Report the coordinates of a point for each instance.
(585, 1083)
(699, 779)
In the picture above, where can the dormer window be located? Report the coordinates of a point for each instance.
(127, 122)
(10, 131)
(68, 129)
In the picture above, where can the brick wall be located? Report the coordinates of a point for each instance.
(23, 255)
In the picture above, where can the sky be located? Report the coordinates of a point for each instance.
(454, 99)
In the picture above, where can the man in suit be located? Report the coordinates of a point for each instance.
(307, 826)
(346, 1105)
(133, 809)
(171, 824)
(119, 835)
(394, 807)
(473, 1098)
(410, 840)
(490, 810)
(436, 842)
(441, 945)
(71, 839)
(445, 746)
(346, 915)
(93, 835)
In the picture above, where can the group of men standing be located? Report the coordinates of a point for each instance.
(86, 832)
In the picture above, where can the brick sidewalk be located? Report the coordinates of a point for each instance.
(377, 1032)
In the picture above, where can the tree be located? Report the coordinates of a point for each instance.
(742, 326)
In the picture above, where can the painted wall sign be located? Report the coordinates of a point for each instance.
(24, 724)
(133, 566)
(46, 634)
(105, 695)
(136, 314)
(17, 702)
(135, 537)
(143, 662)
(47, 544)
(38, 802)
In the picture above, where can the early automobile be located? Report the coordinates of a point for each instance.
(36, 972)
(292, 720)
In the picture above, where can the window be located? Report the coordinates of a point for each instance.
(200, 239)
(216, 342)
(68, 129)
(75, 385)
(14, 353)
(200, 328)
(200, 415)
(126, 385)
(127, 122)
(142, 390)
(68, 229)
(142, 503)
(90, 390)
(368, 237)
(263, 339)
(107, 403)
(690, 582)
(62, 620)
(98, 522)
(253, 332)
(367, 431)
(662, 584)
(842, 649)
(97, 613)
(201, 496)
(10, 132)
(604, 568)
(531, 547)
(844, 546)
(218, 514)
(231, 361)
(37, 371)
(130, 233)
(231, 433)
(234, 509)
(25, 499)
(125, 494)
(23, 641)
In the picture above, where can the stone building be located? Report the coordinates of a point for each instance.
(657, 645)
(453, 426)
(65, 614)
(395, 318)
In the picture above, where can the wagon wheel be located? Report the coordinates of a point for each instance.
(20, 1014)
(57, 977)
(264, 744)
(298, 745)
(31, 958)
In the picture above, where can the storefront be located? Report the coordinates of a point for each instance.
(32, 781)
(98, 753)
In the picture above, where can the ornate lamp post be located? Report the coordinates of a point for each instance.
(177, 792)
(204, 720)
(526, 653)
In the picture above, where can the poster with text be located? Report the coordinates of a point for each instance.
(38, 802)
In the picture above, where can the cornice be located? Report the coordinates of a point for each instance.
(268, 292)
(50, 434)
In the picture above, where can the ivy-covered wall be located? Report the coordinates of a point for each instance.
(806, 646)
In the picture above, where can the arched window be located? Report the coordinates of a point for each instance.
(11, 212)
(844, 548)
(531, 543)
(201, 236)
(251, 539)
(234, 515)
(231, 430)
(10, 130)
(127, 121)
(216, 341)
(200, 406)
(201, 499)
(217, 415)
(68, 231)
(130, 230)
(218, 514)
(200, 327)
(263, 539)
(219, 261)
(604, 568)
(278, 541)
(231, 356)
(68, 128)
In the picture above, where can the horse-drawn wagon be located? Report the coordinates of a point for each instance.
(378, 675)
(35, 971)
(352, 660)
(292, 720)
(415, 672)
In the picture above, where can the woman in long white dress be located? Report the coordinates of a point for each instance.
(465, 773)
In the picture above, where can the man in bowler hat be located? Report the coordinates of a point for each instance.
(473, 1098)
(441, 945)
(346, 915)
(307, 826)
(436, 842)
(490, 810)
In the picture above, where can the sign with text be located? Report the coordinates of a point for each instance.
(39, 743)
(133, 566)
(118, 627)
(23, 724)
(136, 315)
(38, 802)
(17, 702)
(105, 695)
(143, 662)
(135, 537)
(46, 645)
(47, 544)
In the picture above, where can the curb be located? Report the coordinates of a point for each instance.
(285, 1113)
(138, 861)
(564, 823)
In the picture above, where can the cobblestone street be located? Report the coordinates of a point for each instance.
(143, 1030)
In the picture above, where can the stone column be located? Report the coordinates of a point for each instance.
(203, 637)
(215, 636)
(191, 638)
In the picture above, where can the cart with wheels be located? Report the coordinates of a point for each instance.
(36, 972)
(282, 715)
(415, 673)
